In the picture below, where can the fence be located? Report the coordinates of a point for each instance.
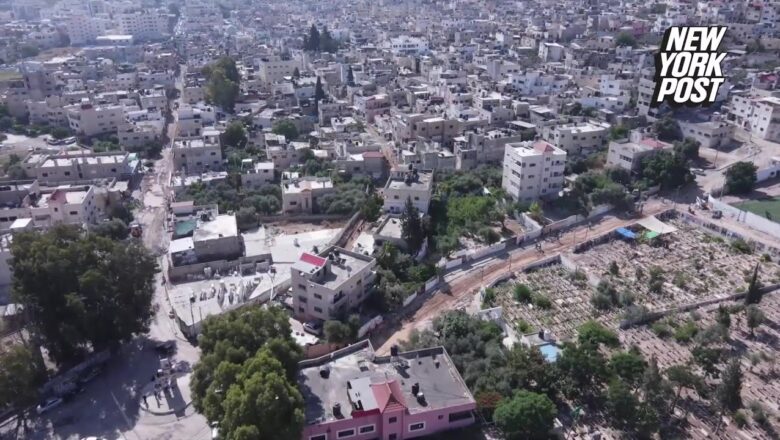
(343, 236)
(575, 219)
(752, 220)
(370, 325)
(409, 299)
(726, 233)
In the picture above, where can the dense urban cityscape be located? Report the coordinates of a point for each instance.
(350, 219)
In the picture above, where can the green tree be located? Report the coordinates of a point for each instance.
(621, 403)
(28, 50)
(668, 129)
(115, 229)
(688, 148)
(526, 416)
(296, 73)
(337, 332)
(625, 39)
(592, 333)
(372, 209)
(728, 392)
(629, 366)
(754, 294)
(319, 94)
(263, 402)
(584, 370)
(81, 292)
(707, 358)
(60, 132)
(350, 77)
(327, 43)
(666, 169)
(618, 132)
(246, 217)
(412, 230)
(234, 135)
(227, 342)
(535, 212)
(741, 178)
(222, 87)
(724, 316)
(287, 128)
(21, 373)
(682, 377)
(312, 42)
(754, 317)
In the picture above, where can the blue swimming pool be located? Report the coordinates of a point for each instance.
(550, 352)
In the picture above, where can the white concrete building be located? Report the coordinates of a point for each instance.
(328, 285)
(196, 156)
(758, 115)
(143, 25)
(89, 119)
(259, 174)
(274, 69)
(406, 45)
(628, 153)
(405, 184)
(533, 170)
(301, 195)
(576, 138)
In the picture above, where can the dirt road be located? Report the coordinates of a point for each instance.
(465, 284)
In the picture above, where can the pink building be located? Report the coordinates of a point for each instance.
(354, 394)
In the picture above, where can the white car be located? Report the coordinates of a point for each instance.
(50, 403)
(214, 431)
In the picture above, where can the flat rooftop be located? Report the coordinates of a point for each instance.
(421, 183)
(359, 381)
(391, 228)
(218, 227)
(298, 186)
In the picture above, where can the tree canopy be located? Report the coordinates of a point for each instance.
(245, 377)
(286, 128)
(412, 230)
(527, 415)
(741, 178)
(222, 87)
(82, 292)
(235, 135)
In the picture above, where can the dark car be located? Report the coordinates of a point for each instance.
(166, 348)
(314, 327)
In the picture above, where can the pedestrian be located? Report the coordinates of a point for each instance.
(145, 402)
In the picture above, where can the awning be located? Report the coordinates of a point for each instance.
(656, 225)
(651, 235)
(626, 233)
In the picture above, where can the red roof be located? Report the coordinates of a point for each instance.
(654, 143)
(313, 259)
(389, 396)
(543, 147)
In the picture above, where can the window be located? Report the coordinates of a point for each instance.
(318, 310)
(463, 415)
(74, 213)
(366, 429)
(392, 420)
(345, 433)
(417, 426)
(319, 437)
(303, 299)
(318, 296)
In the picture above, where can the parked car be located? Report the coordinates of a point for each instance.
(697, 171)
(48, 404)
(166, 348)
(214, 431)
(314, 327)
(90, 376)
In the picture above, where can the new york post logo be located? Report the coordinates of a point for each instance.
(687, 68)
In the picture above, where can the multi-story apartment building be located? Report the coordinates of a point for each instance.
(645, 91)
(257, 175)
(576, 138)
(355, 394)
(760, 115)
(710, 134)
(406, 45)
(274, 69)
(302, 195)
(328, 285)
(533, 170)
(196, 156)
(89, 119)
(373, 105)
(143, 25)
(408, 184)
(628, 153)
(75, 166)
(83, 29)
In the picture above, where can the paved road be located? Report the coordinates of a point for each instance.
(465, 283)
(111, 405)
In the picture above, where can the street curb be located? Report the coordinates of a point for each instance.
(165, 413)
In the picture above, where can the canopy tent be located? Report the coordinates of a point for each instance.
(626, 233)
(651, 235)
(653, 224)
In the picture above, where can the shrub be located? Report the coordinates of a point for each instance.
(541, 301)
(686, 332)
(741, 246)
(523, 293)
(740, 419)
(523, 326)
(661, 329)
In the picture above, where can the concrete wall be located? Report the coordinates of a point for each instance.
(752, 220)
